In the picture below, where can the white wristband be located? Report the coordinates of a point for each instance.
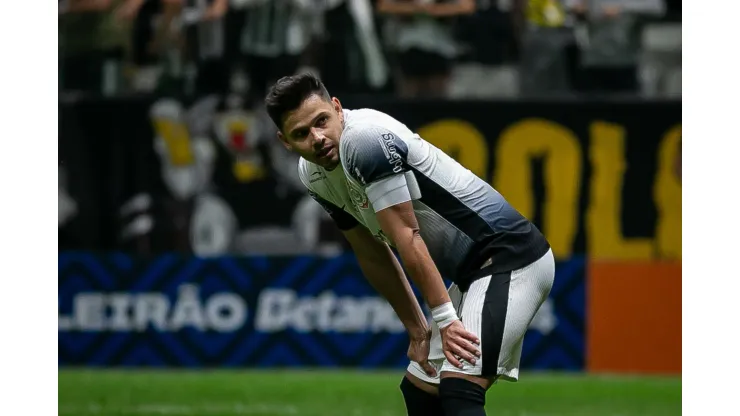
(444, 315)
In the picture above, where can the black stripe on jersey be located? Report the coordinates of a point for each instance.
(452, 209)
(458, 214)
(508, 249)
(344, 220)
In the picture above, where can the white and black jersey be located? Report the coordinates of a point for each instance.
(462, 219)
(206, 39)
(278, 27)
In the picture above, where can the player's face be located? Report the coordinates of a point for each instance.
(313, 131)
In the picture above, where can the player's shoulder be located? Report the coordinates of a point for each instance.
(366, 126)
(307, 170)
(314, 178)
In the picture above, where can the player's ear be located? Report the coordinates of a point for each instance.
(284, 140)
(337, 106)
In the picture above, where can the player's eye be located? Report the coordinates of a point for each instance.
(321, 121)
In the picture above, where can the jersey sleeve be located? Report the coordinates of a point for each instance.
(343, 220)
(373, 153)
(377, 158)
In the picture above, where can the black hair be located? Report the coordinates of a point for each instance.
(289, 92)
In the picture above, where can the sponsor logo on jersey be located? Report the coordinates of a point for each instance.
(358, 198)
(317, 176)
(388, 143)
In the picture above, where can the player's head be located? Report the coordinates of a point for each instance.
(309, 120)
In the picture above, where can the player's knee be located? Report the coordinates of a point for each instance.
(419, 402)
(462, 397)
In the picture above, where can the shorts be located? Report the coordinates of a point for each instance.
(498, 309)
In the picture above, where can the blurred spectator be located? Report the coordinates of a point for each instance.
(93, 43)
(204, 29)
(609, 42)
(486, 67)
(661, 59)
(352, 56)
(420, 34)
(142, 70)
(545, 29)
(130, 12)
(673, 10)
(275, 36)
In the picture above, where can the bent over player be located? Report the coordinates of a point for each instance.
(385, 186)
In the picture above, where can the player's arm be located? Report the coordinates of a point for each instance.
(380, 267)
(399, 225)
(385, 274)
(377, 157)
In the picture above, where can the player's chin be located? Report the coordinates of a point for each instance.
(328, 162)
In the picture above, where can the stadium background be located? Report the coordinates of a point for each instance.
(197, 277)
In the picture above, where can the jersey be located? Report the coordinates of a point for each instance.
(463, 221)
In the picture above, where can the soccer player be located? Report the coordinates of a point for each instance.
(385, 186)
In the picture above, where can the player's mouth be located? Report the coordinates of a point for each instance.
(325, 152)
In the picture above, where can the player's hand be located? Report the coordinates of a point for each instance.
(457, 344)
(419, 352)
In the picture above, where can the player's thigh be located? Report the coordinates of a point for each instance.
(436, 355)
(425, 386)
(498, 309)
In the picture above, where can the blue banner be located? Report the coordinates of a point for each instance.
(305, 311)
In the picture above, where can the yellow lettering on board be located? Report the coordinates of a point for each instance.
(667, 196)
(461, 140)
(518, 146)
(603, 220)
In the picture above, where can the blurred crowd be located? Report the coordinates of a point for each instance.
(410, 48)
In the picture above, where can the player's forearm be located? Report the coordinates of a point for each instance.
(385, 274)
(422, 269)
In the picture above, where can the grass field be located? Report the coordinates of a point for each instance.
(346, 393)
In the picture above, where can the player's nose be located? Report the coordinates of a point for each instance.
(318, 139)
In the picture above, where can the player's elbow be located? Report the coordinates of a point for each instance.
(408, 239)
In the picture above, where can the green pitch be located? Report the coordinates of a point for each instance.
(346, 393)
